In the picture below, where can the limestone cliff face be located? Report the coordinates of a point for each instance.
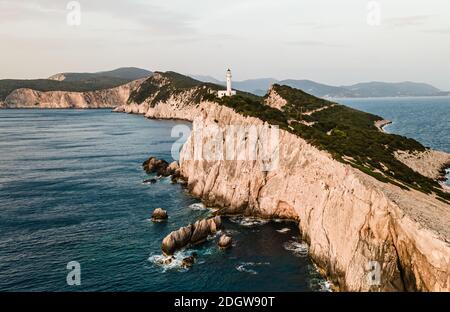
(353, 223)
(108, 98)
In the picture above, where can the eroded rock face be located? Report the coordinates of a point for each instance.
(190, 235)
(108, 98)
(274, 100)
(349, 219)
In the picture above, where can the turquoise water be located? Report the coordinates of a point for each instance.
(71, 190)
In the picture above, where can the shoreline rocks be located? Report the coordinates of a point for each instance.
(192, 234)
(155, 165)
(162, 169)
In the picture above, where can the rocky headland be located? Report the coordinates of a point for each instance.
(352, 214)
(107, 98)
(367, 202)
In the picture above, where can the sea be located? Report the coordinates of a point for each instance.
(72, 191)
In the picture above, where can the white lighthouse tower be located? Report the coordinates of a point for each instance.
(228, 82)
(229, 91)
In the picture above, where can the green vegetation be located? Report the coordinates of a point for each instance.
(9, 85)
(162, 86)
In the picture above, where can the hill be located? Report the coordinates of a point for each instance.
(75, 82)
(377, 89)
(123, 73)
(367, 89)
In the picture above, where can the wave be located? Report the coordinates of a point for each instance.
(283, 230)
(198, 206)
(248, 221)
(171, 263)
(245, 267)
(299, 249)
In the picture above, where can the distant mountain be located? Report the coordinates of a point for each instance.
(377, 89)
(123, 73)
(208, 79)
(368, 89)
(317, 89)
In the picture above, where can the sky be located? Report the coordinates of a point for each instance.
(334, 42)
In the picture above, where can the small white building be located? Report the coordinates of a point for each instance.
(229, 91)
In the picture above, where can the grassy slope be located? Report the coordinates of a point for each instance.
(348, 134)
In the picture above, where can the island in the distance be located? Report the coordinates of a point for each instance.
(362, 197)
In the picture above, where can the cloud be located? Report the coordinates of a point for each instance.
(132, 15)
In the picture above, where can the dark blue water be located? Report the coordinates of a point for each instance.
(71, 190)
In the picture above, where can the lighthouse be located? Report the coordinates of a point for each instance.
(228, 82)
(229, 91)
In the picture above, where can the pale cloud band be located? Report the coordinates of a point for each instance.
(324, 40)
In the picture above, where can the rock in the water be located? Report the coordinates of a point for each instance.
(191, 234)
(225, 241)
(176, 240)
(159, 215)
(155, 165)
(203, 228)
(188, 262)
(151, 181)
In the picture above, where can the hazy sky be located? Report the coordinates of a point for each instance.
(328, 41)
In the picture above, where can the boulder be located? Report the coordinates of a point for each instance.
(188, 262)
(151, 181)
(155, 165)
(159, 215)
(191, 234)
(203, 228)
(225, 241)
(176, 240)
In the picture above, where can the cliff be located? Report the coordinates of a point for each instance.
(354, 222)
(106, 98)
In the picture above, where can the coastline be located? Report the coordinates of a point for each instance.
(304, 190)
(380, 124)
